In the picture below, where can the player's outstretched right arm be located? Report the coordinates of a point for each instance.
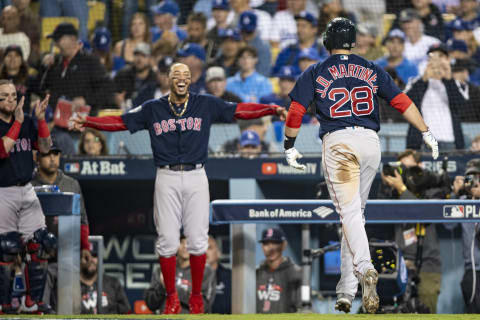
(110, 123)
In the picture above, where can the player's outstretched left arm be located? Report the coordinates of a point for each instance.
(248, 111)
(44, 138)
(292, 127)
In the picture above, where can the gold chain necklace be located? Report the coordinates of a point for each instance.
(173, 108)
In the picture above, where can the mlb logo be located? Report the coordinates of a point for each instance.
(72, 167)
(453, 211)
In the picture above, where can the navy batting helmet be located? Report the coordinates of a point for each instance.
(340, 34)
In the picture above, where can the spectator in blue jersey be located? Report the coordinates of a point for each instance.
(460, 30)
(307, 38)
(248, 30)
(231, 42)
(395, 44)
(193, 55)
(307, 57)
(165, 16)
(223, 289)
(247, 83)
(217, 83)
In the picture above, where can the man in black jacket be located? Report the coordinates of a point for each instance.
(74, 74)
(278, 278)
(440, 102)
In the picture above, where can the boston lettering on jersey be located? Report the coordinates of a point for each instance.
(170, 125)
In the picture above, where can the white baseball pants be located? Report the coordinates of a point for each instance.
(350, 159)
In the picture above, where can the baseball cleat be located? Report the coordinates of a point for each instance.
(172, 306)
(344, 302)
(370, 298)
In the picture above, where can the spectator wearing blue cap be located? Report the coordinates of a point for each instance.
(247, 83)
(457, 49)
(102, 45)
(307, 57)
(264, 20)
(131, 79)
(278, 278)
(249, 144)
(395, 58)
(248, 30)
(417, 42)
(284, 27)
(193, 55)
(165, 16)
(123, 49)
(220, 12)
(231, 43)
(307, 38)
(158, 89)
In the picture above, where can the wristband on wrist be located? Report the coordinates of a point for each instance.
(289, 142)
(14, 130)
(43, 131)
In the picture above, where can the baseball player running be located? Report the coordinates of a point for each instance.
(179, 127)
(344, 90)
(22, 227)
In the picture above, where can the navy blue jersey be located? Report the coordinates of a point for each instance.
(344, 90)
(18, 167)
(179, 139)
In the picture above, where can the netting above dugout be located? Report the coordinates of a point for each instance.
(285, 33)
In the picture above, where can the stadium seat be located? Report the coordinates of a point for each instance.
(393, 136)
(96, 13)
(470, 131)
(137, 143)
(307, 140)
(48, 25)
(221, 133)
(388, 19)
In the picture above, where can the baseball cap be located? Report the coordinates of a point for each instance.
(463, 64)
(438, 47)
(409, 14)
(460, 25)
(102, 38)
(305, 15)
(249, 138)
(309, 53)
(63, 29)
(215, 73)
(192, 49)
(273, 235)
(247, 21)
(457, 45)
(143, 48)
(220, 5)
(473, 166)
(395, 33)
(229, 33)
(164, 64)
(287, 72)
(166, 6)
(13, 47)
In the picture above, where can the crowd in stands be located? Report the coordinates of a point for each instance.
(252, 49)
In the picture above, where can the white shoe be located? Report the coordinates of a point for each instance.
(344, 302)
(369, 291)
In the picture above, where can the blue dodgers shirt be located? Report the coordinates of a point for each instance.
(182, 139)
(18, 166)
(344, 90)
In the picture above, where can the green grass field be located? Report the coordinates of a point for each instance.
(260, 317)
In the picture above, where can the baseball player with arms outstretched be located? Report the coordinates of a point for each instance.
(179, 127)
(344, 90)
(22, 223)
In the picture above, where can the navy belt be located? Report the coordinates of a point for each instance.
(183, 166)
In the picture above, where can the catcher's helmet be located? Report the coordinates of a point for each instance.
(340, 34)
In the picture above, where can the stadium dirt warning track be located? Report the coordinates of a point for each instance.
(258, 317)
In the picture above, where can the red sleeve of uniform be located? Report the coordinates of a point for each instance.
(84, 233)
(110, 123)
(254, 110)
(3, 153)
(295, 115)
(401, 102)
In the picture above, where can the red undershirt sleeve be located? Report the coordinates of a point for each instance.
(110, 123)
(254, 110)
(295, 115)
(401, 102)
